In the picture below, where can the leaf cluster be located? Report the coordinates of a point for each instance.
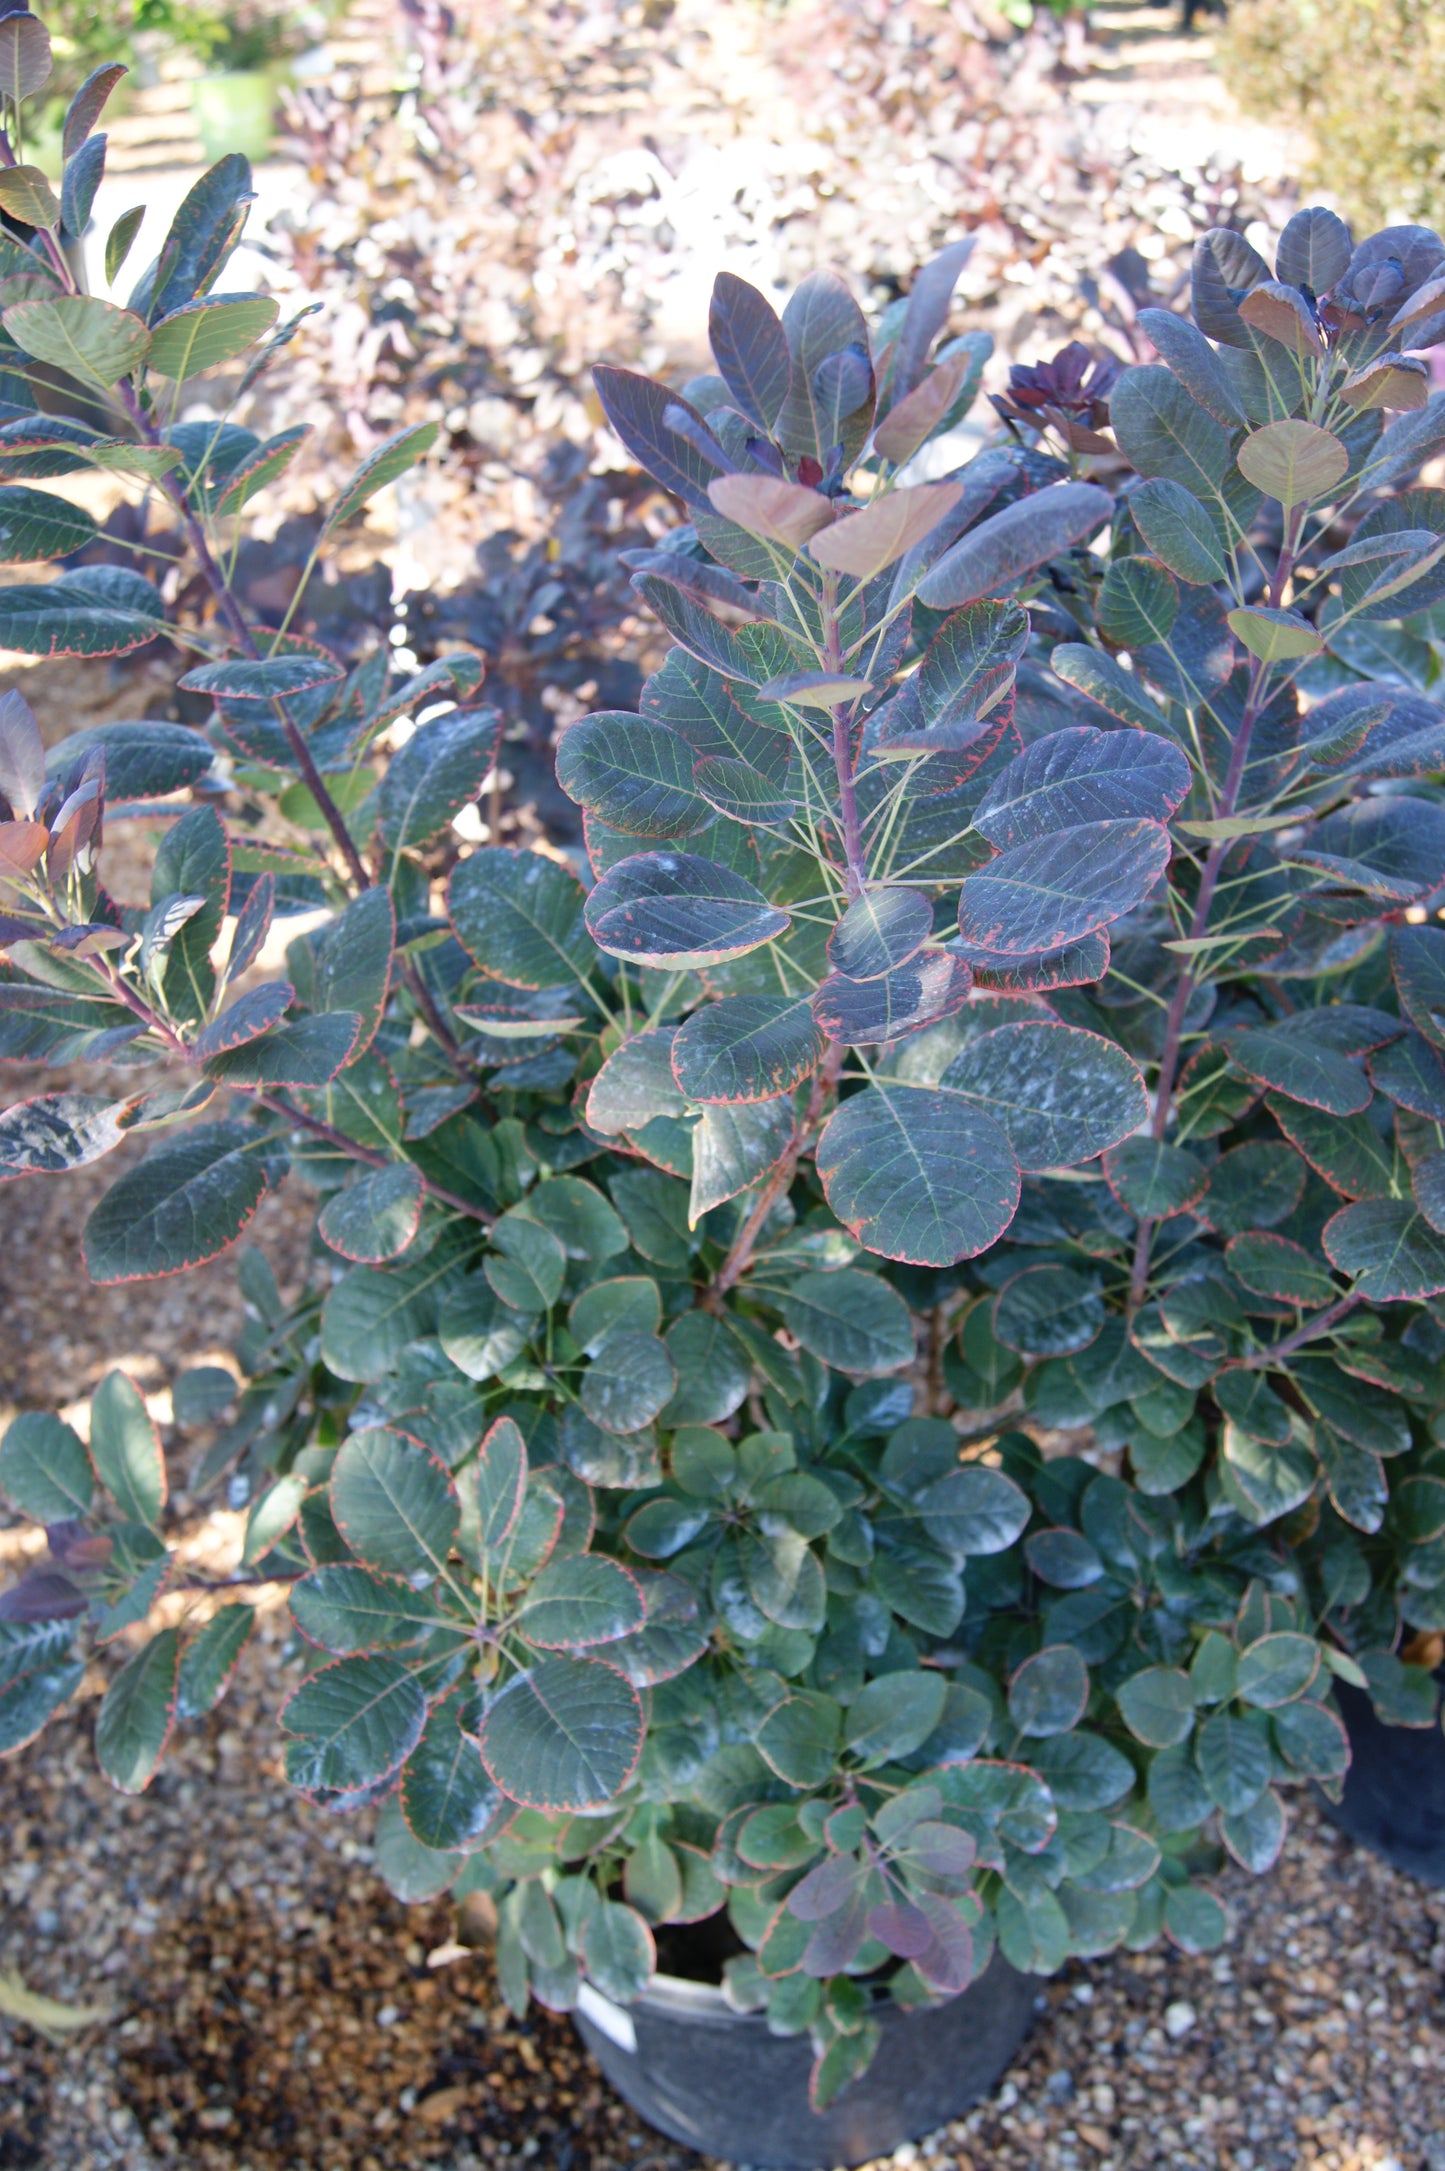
(1005, 950)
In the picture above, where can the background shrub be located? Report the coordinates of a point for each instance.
(1365, 80)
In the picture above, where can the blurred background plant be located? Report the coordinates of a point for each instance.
(1365, 79)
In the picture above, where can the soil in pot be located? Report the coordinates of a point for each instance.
(718, 2081)
(1394, 1797)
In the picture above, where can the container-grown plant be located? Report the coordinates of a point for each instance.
(662, 1552)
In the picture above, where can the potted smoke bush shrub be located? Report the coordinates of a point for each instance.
(700, 1226)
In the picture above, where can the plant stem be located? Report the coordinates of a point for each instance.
(1208, 882)
(357, 1152)
(1308, 1332)
(231, 611)
(744, 1243)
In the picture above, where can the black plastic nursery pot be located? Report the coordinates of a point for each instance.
(718, 2081)
(1394, 1797)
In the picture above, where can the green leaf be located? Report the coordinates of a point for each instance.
(627, 1304)
(1033, 1933)
(580, 1219)
(1274, 636)
(1166, 433)
(353, 963)
(479, 1333)
(1302, 1069)
(201, 237)
(630, 1380)
(617, 1951)
(376, 1216)
(447, 1797)
(392, 457)
(565, 1734)
(1158, 1706)
(27, 195)
(918, 1174)
(1082, 776)
(800, 1737)
(1277, 1668)
(633, 773)
(1258, 1185)
(44, 1469)
(501, 1482)
(37, 1676)
(677, 911)
(1252, 1405)
(1137, 603)
(394, 1502)
(120, 239)
(850, 1320)
(34, 526)
(743, 1048)
(735, 1147)
(635, 1084)
(742, 793)
(1265, 1482)
(125, 1449)
(96, 610)
(353, 1723)
(1061, 1095)
(1293, 462)
(1272, 1266)
(1006, 546)
(1234, 1762)
(203, 334)
(882, 928)
(441, 769)
(520, 917)
(1389, 1251)
(1312, 1739)
(1179, 531)
(267, 678)
(137, 1713)
(1256, 1835)
(373, 1312)
(528, 1264)
(1153, 1179)
(272, 1514)
(857, 1012)
(187, 1202)
(209, 1659)
(1048, 1311)
(347, 1609)
(91, 340)
(713, 1372)
(893, 1715)
(411, 1872)
(577, 1602)
(305, 1052)
(1108, 683)
(1194, 1919)
(252, 475)
(1053, 889)
(1050, 1691)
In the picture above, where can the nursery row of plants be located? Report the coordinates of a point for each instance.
(872, 1357)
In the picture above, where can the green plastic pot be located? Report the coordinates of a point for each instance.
(235, 112)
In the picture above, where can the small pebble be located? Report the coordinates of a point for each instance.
(1179, 2018)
